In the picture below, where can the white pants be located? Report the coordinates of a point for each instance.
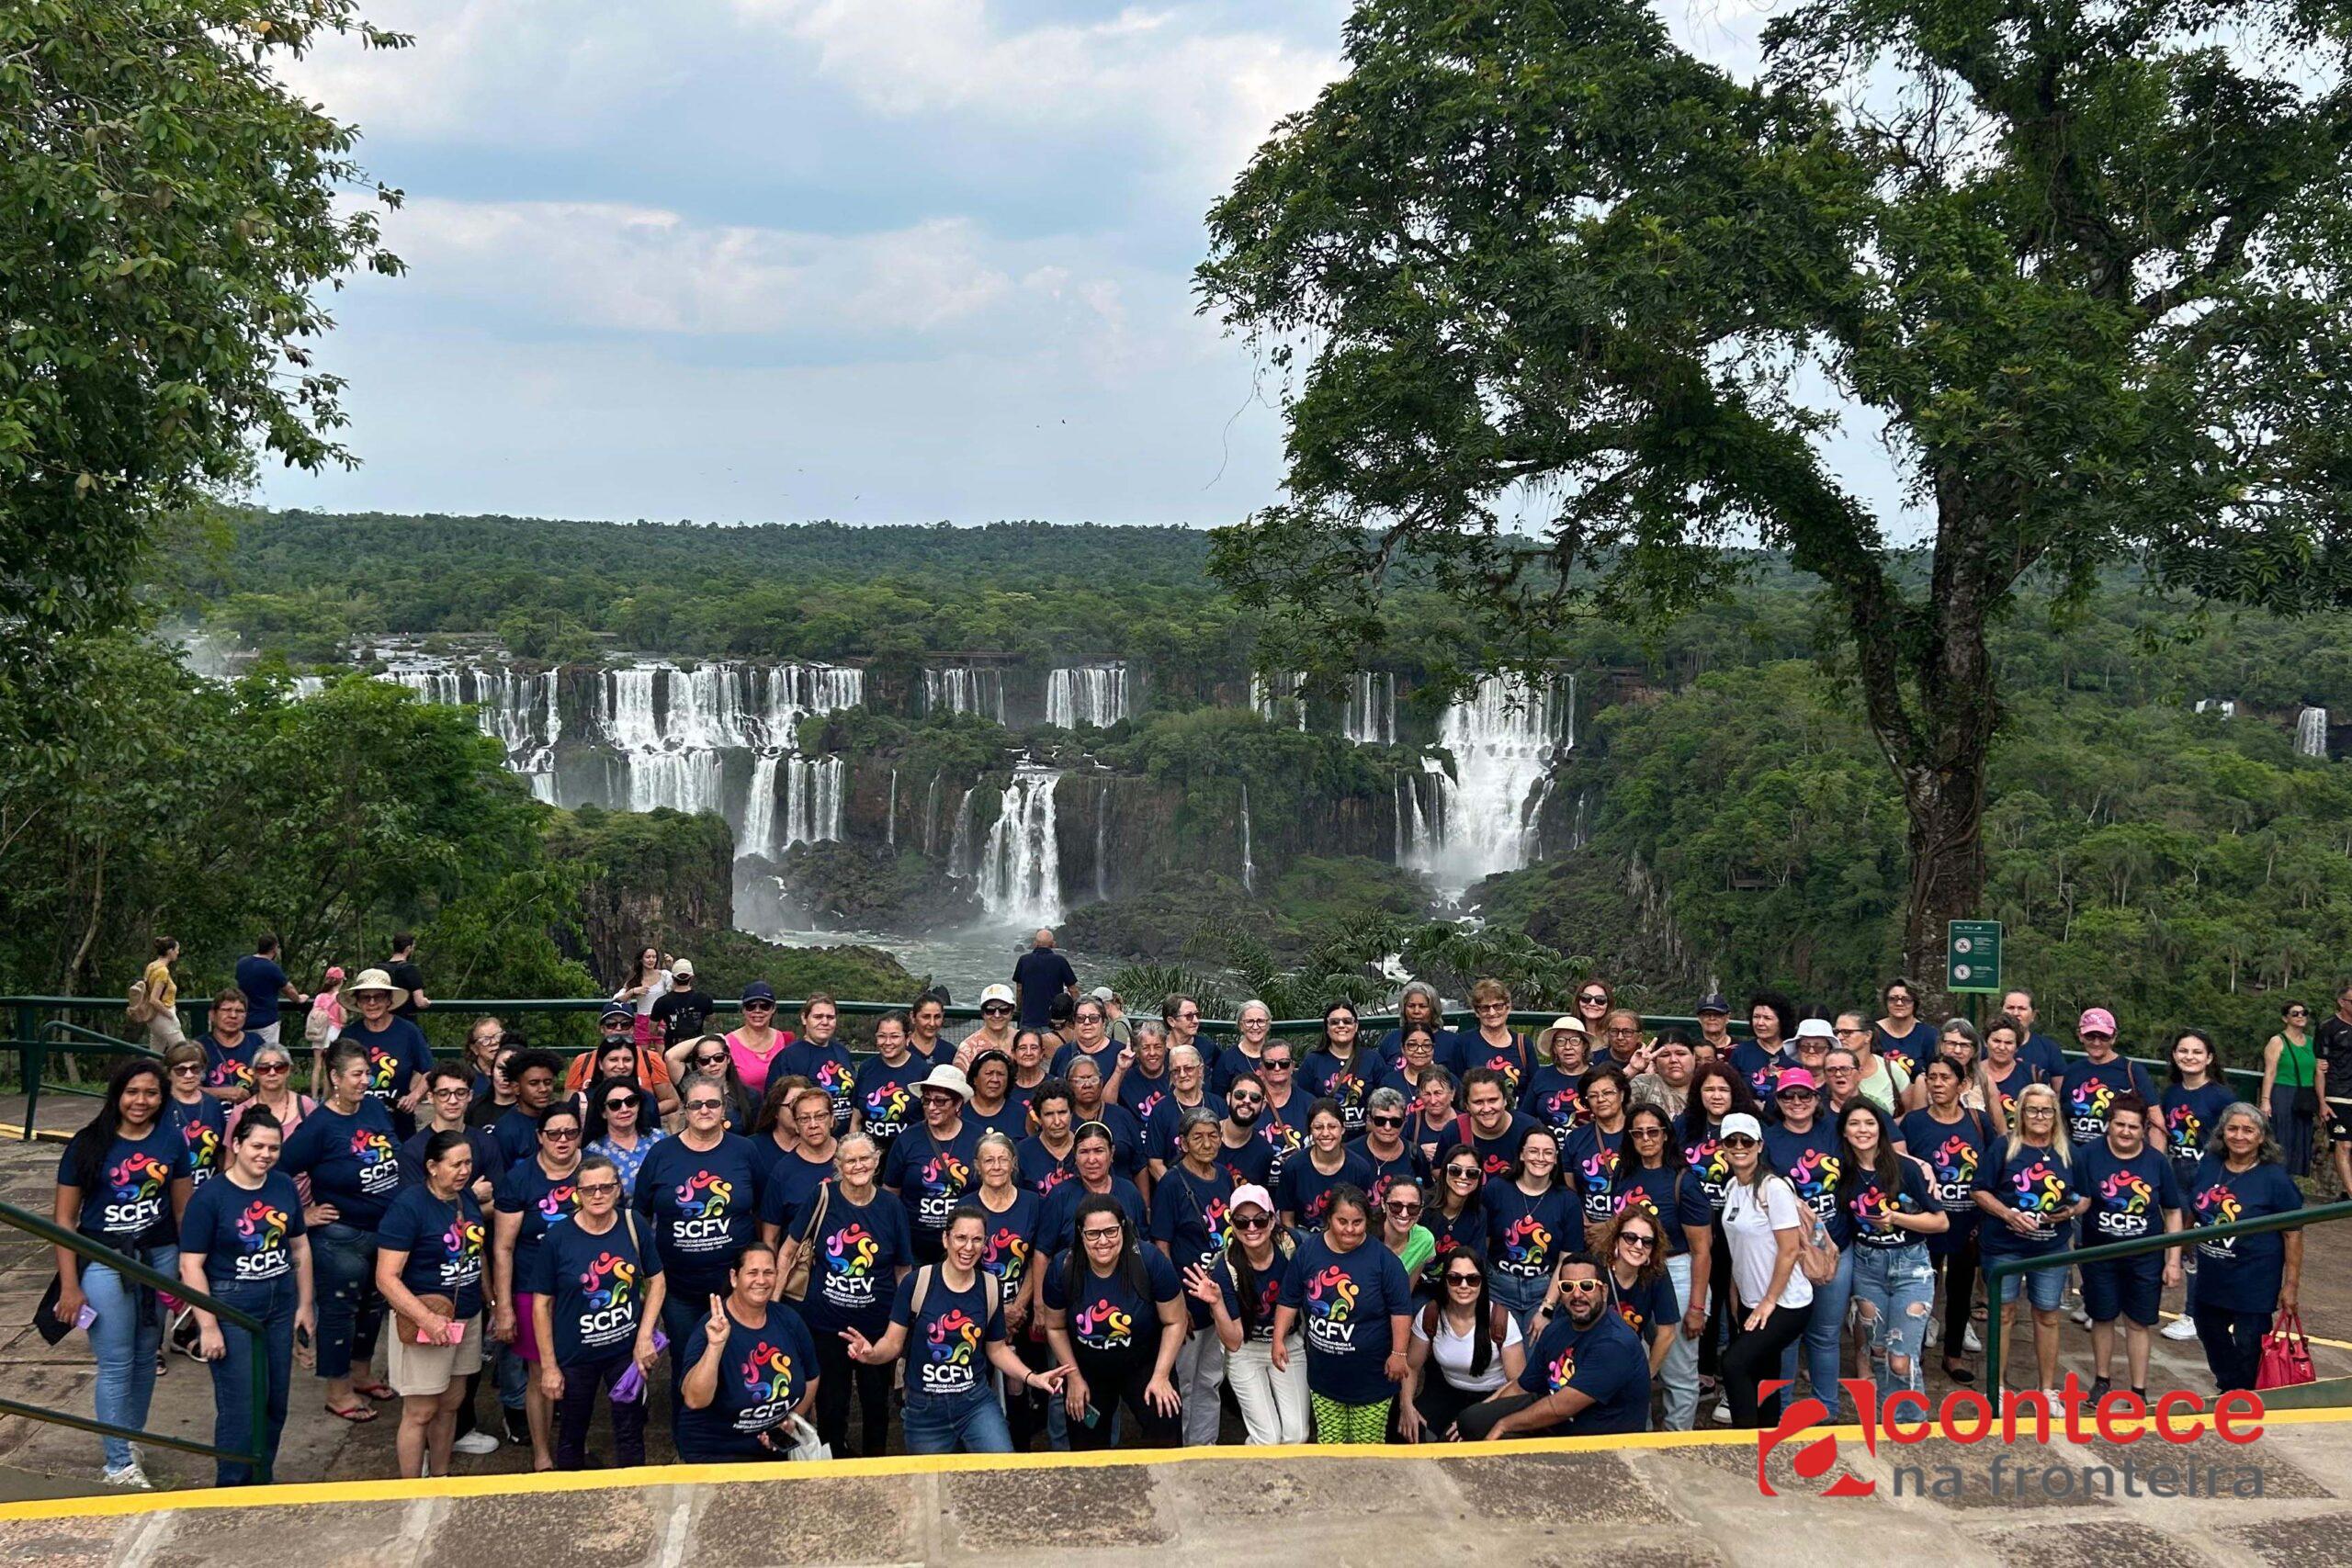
(1198, 1374)
(163, 1032)
(1680, 1374)
(1273, 1404)
(267, 1034)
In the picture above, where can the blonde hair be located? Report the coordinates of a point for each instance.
(2058, 1144)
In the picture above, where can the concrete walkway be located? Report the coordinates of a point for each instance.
(1662, 1501)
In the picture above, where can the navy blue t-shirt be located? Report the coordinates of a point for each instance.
(517, 1131)
(131, 1204)
(1229, 1064)
(1108, 1316)
(1038, 976)
(1323, 1074)
(1526, 1236)
(1057, 1215)
(229, 1066)
(351, 1160)
(1709, 1165)
(1346, 1301)
(1864, 1203)
(1512, 1058)
(1304, 1193)
(595, 1287)
(1266, 1289)
(1590, 1161)
(1160, 1133)
(1642, 1307)
(858, 1251)
(1406, 1165)
(244, 1233)
(545, 1202)
(1556, 1098)
(704, 1206)
(2128, 1197)
(446, 1242)
(1141, 1095)
(1011, 1250)
(1673, 1194)
(2191, 1116)
(930, 1177)
(2041, 1053)
(1810, 1160)
(2021, 1077)
(1465, 1232)
(261, 979)
(1760, 1068)
(1910, 1048)
(396, 1055)
(1042, 1170)
(1188, 1212)
(2087, 1089)
(204, 1128)
(788, 1187)
(829, 1068)
(1954, 1152)
(1606, 1363)
(763, 1372)
(947, 1341)
(888, 1098)
(1250, 1165)
(1496, 1154)
(2035, 1182)
(2242, 1273)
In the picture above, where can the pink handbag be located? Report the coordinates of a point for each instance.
(2286, 1355)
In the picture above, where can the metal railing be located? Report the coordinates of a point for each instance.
(132, 1268)
(1999, 1268)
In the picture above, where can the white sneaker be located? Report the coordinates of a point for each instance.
(1974, 1346)
(1722, 1413)
(1935, 1334)
(2181, 1328)
(130, 1476)
(2081, 1317)
(475, 1442)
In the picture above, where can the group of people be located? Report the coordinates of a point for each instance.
(1056, 1228)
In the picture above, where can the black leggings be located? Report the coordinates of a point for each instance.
(583, 1386)
(1120, 1378)
(1025, 1409)
(1959, 1266)
(1710, 1347)
(1441, 1404)
(838, 1374)
(1753, 1357)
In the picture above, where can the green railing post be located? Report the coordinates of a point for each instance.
(1993, 1275)
(32, 1059)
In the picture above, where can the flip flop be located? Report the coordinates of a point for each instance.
(373, 1390)
(358, 1414)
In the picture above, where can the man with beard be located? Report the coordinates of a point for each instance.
(1245, 1153)
(1586, 1374)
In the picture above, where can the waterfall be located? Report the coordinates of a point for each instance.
(2221, 705)
(1504, 739)
(930, 817)
(1277, 700)
(1372, 709)
(308, 687)
(959, 845)
(1087, 693)
(1248, 867)
(517, 710)
(1019, 869)
(2311, 732)
(812, 811)
(890, 812)
(959, 688)
(1103, 843)
(759, 811)
(1581, 834)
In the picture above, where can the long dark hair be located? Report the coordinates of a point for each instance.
(1887, 1167)
(1245, 1278)
(87, 1152)
(1696, 1122)
(1325, 1043)
(1076, 1269)
(1482, 1332)
(593, 1126)
(1669, 1152)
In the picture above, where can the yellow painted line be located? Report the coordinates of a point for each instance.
(294, 1496)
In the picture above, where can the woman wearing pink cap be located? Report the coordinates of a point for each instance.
(1241, 1292)
(2092, 1084)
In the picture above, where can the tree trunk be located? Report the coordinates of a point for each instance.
(1947, 850)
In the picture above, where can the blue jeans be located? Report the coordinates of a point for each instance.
(1518, 1295)
(342, 1261)
(971, 1423)
(1823, 1344)
(124, 1337)
(1896, 1289)
(273, 1301)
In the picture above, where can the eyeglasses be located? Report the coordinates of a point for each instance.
(1098, 1234)
(1252, 1222)
(705, 1104)
(1492, 1007)
(622, 1102)
(996, 1010)
(1594, 997)
(1634, 1240)
(599, 1190)
(556, 1132)
(1470, 1280)
(1853, 1030)
(450, 1092)
(1385, 1121)
(1647, 1132)
(1401, 1208)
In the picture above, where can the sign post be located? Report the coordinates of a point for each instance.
(1972, 955)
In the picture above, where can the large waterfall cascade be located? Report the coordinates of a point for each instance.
(1019, 873)
(2311, 732)
(1088, 694)
(1371, 718)
(959, 688)
(1505, 737)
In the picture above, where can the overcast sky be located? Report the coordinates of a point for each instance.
(871, 260)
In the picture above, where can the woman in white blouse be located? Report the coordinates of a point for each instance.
(1772, 1300)
(1464, 1349)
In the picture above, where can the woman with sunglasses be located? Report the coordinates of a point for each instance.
(1356, 1306)
(856, 1238)
(1465, 1348)
(597, 1292)
(1639, 1287)
(1240, 1292)
(200, 1120)
(347, 1148)
(1340, 1069)
(792, 1181)
(701, 1191)
(1455, 1215)
(1401, 1231)
(1282, 1123)
(539, 1195)
(274, 1091)
(1594, 1151)
(1717, 1091)
(1089, 1032)
(755, 1046)
(1327, 1163)
(1594, 999)
(2289, 1086)
(1772, 1301)
(1494, 1043)
(751, 1368)
(1653, 1178)
(1383, 1147)
(1531, 1220)
(617, 1129)
(710, 1055)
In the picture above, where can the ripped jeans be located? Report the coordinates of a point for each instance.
(1894, 1292)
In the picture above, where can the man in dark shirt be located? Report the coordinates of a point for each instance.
(681, 1011)
(1040, 976)
(407, 976)
(2333, 1081)
(264, 984)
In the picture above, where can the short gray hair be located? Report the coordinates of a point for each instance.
(1384, 1099)
(1149, 1029)
(1959, 1026)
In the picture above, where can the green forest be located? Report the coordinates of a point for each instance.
(1741, 828)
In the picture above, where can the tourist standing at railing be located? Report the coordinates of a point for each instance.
(648, 983)
(2244, 1282)
(264, 984)
(1255, 1022)
(1770, 1017)
(243, 1242)
(163, 993)
(2028, 1189)
(1339, 1067)
(485, 1038)
(1115, 1015)
(1137, 1078)
(407, 977)
(754, 1045)
(682, 1011)
(925, 1020)
(1417, 1004)
(2291, 1080)
(122, 1182)
(1902, 1036)
(885, 1092)
(274, 1091)
(820, 1056)
(2090, 1086)
(346, 1147)
(1713, 1013)
(1492, 1043)
(397, 1058)
(1181, 1015)
(430, 1270)
(1594, 1001)
(227, 1050)
(2334, 1041)
(995, 1031)
(1041, 975)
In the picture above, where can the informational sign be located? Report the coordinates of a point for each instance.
(1972, 955)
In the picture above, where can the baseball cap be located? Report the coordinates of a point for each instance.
(2096, 1021)
(1251, 1194)
(1713, 1002)
(681, 967)
(1741, 1122)
(614, 1011)
(1102, 994)
(997, 993)
(758, 991)
(1793, 1078)
(1815, 1029)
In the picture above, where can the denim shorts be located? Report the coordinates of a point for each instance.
(2124, 1287)
(2045, 1288)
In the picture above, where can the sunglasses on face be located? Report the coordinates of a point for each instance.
(188, 1067)
(1649, 1132)
(1188, 1018)
(1404, 1208)
(598, 1189)
(1580, 1286)
(552, 1134)
(710, 1061)
(1386, 1121)
(1594, 997)
(1272, 1066)
(1246, 1100)
(759, 1007)
(1462, 1172)
(703, 1105)
(1252, 1222)
(996, 1010)
(1462, 1279)
(1637, 1241)
(622, 1102)
(275, 1067)
(1739, 1141)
